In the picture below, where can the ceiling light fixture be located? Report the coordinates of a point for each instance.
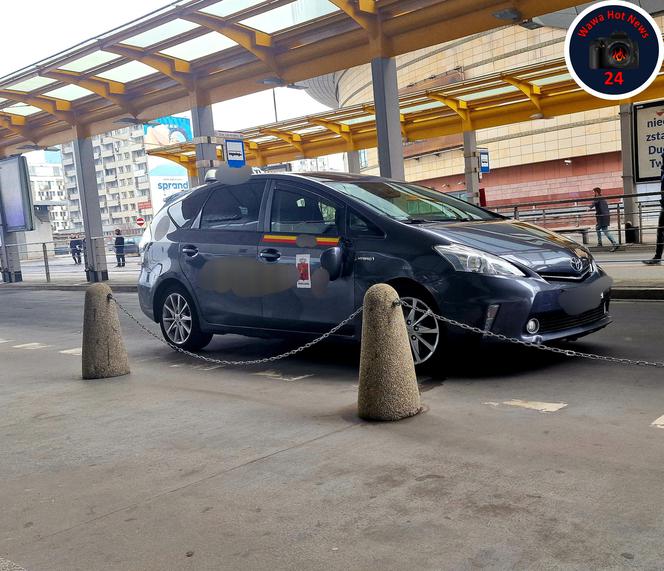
(508, 14)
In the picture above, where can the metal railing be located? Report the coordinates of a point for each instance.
(575, 215)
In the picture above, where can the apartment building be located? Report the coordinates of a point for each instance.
(121, 165)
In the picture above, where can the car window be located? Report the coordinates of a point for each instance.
(304, 213)
(233, 207)
(410, 202)
(185, 211)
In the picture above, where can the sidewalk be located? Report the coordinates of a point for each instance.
(632, 279)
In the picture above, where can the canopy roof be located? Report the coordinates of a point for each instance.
(194, 52)
(534, 92)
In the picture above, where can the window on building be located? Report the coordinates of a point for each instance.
(364, 158)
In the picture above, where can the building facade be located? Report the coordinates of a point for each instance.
(121, 165)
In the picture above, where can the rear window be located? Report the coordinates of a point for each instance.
(184, 212)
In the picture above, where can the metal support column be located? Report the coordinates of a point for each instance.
(631, 203)
(353, 161)
(10, 259)
(471, 167)
(86, 181)
(203, 127)
(388, 122)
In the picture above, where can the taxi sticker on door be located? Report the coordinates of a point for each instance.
(303, 265)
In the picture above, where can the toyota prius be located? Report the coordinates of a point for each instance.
(285, 254)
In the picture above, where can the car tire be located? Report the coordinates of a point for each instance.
(179, 323)
(426, 334)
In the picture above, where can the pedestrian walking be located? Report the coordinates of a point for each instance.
(603, 218)
(659, 248)
(119, 248)
(76, 248)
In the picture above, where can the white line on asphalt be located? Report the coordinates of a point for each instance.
(658, 422)
(76, 352)
(279, 377)
(31, 346)
(532, 405)
(5, 341)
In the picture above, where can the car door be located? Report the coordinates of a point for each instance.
(219, 255)
(301, 225)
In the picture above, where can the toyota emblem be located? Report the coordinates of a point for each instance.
(577, 264)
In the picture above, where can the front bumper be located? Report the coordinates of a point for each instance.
(563, 309)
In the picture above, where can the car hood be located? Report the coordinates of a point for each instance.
(541, 250)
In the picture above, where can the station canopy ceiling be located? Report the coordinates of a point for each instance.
(196, 52)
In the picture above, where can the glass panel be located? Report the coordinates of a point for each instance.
(234, 208)
(309, 130)
(488, 93)
(228, 7)
(552, 79)
(290, 15)
(21, 109)
(128, 72)
(90, 61)
(201, 46)
(160, 33)
(69, 92)
(31, 84)
(357, 120)
(421, 107)
(303, 213)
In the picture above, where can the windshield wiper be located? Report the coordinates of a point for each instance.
(415, 221)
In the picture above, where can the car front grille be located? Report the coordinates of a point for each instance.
(559, 320)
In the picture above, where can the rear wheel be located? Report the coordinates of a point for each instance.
(179, 321)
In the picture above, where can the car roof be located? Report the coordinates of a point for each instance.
(321, 176)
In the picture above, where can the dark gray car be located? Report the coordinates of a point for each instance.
(294, 254)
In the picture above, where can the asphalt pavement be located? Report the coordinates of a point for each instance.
(184, 464)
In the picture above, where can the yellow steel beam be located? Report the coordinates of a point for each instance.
(459, 106)
(16, 124)
(258, 43)
(337, 128)
(530, 90)
(293, 139)
(177, 69)
(112, 91)
(58, 108)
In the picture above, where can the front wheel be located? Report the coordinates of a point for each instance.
(179, 322)
(424, 331)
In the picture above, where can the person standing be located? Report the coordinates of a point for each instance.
(659, 248)
(76, 247)
(603, 218)
(119, 248)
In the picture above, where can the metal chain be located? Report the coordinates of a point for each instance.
(227, 362)
(447, 320)
(539, 346)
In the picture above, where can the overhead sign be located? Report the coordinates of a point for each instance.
(140, 222)
(484, 161)
(16, 210)
(235, 153)
(648, 140)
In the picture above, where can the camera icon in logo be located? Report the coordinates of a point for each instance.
(617, 51)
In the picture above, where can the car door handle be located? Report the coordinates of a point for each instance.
(270, 255)
(190, 251)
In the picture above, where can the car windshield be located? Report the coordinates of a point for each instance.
(411, 203)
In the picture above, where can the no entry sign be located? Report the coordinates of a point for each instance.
(140, 221)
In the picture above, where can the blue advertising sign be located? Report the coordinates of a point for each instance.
(235, 153)
(484, 161)
(168, 131)
(15, 196)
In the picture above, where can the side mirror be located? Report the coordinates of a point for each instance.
(332, 261)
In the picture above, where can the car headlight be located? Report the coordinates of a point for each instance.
(467, 259)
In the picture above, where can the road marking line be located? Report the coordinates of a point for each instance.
(5, 341)
(77, 351)
(658, 422)
(31, 346)
(532, 405)
(279, 377)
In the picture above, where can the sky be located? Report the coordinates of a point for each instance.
(50, 27)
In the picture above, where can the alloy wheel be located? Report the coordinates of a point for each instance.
(422, 327)
(176, 316)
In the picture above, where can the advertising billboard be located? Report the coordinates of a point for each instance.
(15, 196)
(166, 178)
(168, 130)
(648, 140)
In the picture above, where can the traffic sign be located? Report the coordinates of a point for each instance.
(235, 153)
(140, 221)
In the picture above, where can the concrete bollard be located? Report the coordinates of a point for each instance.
(104, 353)
(388, 383)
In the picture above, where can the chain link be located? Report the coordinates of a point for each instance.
(539, 346)
(236, 363)
(446, 320)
